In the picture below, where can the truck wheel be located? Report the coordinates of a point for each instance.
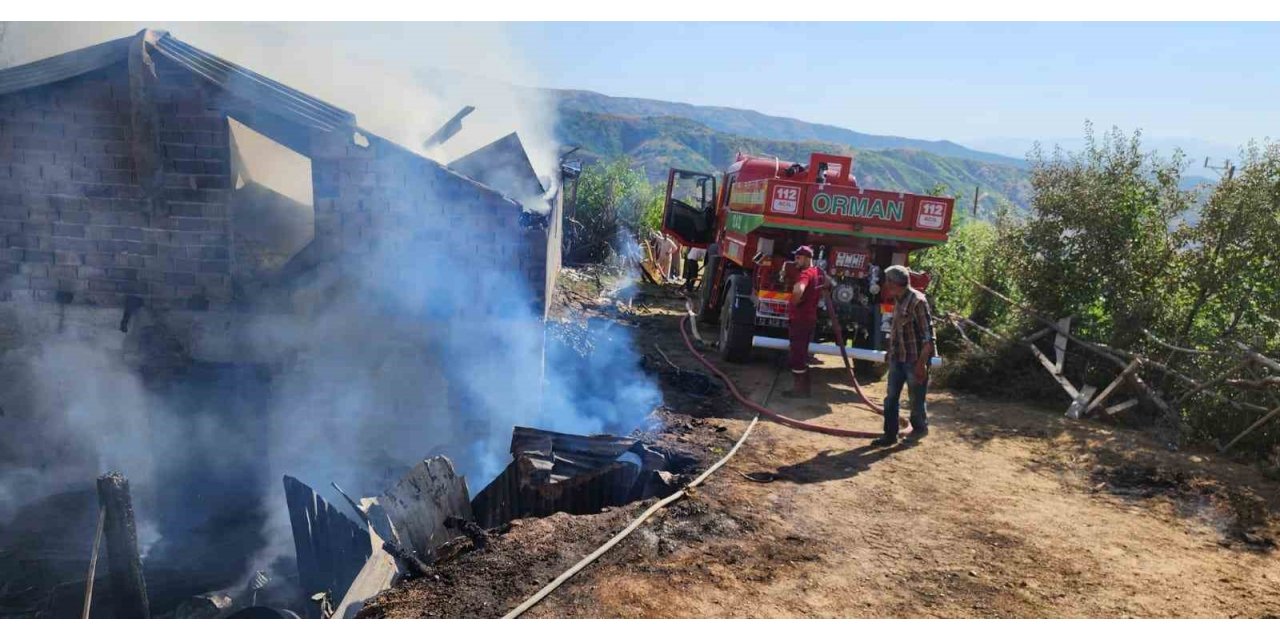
(870, 371)
(865, 369)
(703, 306)
(735, 333)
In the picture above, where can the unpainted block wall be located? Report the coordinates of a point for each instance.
(73, 215)
(376, 196)
(75, 218)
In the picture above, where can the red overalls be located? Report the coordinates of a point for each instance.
(802, 316)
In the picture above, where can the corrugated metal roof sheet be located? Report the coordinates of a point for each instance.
(256, 88)
(260, 90)
(63, 66)
(565, 472)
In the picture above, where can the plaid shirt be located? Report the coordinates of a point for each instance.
(911, 327)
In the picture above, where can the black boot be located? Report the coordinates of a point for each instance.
(885, 441)
(800, 386)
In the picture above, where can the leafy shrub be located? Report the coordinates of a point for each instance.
(614, 202)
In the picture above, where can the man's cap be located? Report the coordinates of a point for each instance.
(803, 250)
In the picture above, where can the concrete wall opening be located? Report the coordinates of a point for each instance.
(272, 205)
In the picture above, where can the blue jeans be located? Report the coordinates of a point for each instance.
(904, 373)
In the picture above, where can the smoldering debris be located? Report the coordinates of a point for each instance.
(398, 533)
(204, 605)
(694, 383)
(554, 472)
(426, 517)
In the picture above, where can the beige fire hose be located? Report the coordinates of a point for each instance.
(760, 410)
(582, 564)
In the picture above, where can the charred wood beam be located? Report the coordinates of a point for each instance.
(472, 530)
(958, 321)
(414, 565)
(448, 129)
(122, 547)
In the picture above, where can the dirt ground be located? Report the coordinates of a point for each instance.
(1004, 511)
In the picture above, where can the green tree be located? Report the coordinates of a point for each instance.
(1232, 254)
(977, 251)
(1099, 243)
(615, 201)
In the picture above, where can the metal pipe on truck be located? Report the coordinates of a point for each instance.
(827, 348)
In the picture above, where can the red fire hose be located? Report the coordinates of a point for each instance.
(792, 422)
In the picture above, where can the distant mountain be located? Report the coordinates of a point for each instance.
(661, 142)
(754, 124)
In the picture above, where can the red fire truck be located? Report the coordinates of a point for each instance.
(765, 209)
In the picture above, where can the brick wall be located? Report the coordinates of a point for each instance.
(379, 192)
(74, 217)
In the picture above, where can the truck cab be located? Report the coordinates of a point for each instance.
(764, 210)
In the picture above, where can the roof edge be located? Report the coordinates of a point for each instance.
(66, 65)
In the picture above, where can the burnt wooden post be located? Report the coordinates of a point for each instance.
(122, 547)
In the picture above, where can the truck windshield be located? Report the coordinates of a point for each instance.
(696, 190)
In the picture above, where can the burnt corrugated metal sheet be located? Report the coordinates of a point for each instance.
(603, 448)
(513, 494)
(63, 66)
(422, 501)
(256, 88)
(331, 549)
(554, 472)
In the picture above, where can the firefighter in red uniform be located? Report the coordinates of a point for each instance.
(802, 318)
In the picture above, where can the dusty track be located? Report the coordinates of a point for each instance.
(1003, 511)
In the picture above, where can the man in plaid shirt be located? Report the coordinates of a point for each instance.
(908, 354)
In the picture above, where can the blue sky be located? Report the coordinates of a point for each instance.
(1207, 87)
(1212, 82)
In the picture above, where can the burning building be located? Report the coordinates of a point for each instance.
(209, 279)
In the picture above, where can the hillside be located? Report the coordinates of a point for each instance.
(753, 124)
(661, 142)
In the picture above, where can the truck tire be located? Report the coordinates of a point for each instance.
(866, 370)
(736, 329)
(704, 306)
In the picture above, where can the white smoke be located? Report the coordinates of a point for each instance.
(72, 409)
(402, 80)
(381, 373)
